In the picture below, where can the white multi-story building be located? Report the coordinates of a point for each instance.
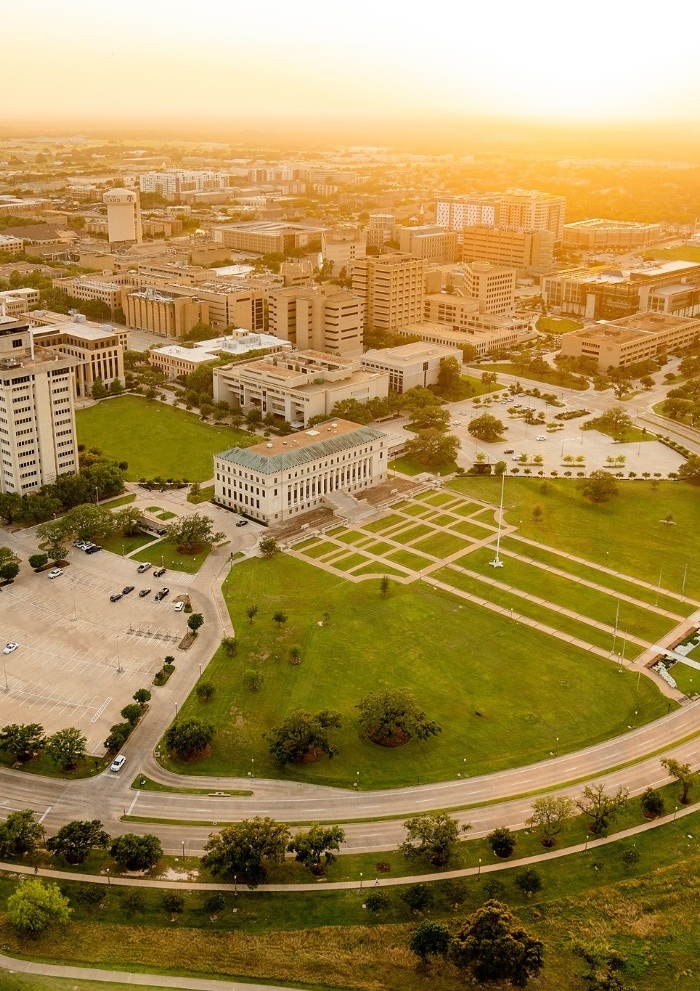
(409, 365)
(515, 209)
(171, 184)
(288, 475)
(123, 216)
(37, 422)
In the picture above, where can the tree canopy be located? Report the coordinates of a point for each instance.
(431, 835)
(35, 906)
(189, 737)
(390, 718)
(600, 486)
(495, 947)
(76, 839)
(136, 853)
(486, 427)
(246, 849)
(303, 736)
(314, 847)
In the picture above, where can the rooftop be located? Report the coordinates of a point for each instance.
(282, 453)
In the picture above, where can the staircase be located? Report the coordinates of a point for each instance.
(348, 506)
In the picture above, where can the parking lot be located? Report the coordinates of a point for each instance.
(81, 657)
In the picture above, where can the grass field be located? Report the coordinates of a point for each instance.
(156, 439)
(601, 533)
(407, 466)
(167, 555)
(558, 325)
(554, 379)
(458, 659)
(687, 253)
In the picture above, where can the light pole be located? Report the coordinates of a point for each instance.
(617, 617)
(119, 659)
(685, 575)
(122, 550)
(97, 495)
(252, 762)
(658, 589)
(479, 871)
(585, 849)
(361, 876)
(675, 813)
(183, 849)
(235, 884)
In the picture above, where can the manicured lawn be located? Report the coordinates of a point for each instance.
(118, 544)
(156, 439)
(119, 501)
(469, 529)
(167, 555)
(407, 559)
(633, 435)
(549, 378)
(687, 678)
(477, 387)
(378, 568)
(624, 534)
(558, 325)
(407, 466)
(441, 545)
(686, 253)
(205, 495)
(458, 659)
(318, 550)
(385, 523)
(348, 563)
(412, 533)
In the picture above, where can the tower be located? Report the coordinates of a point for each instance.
(123, 216)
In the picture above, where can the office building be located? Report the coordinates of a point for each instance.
(267, 237)
(457, 212)
(172, 184)
(320, 318)
(98, 350)
(89, 287)
(342, 246)
(298, 385)
(288, 475)
(434, 244)
(230, 304)
(11, 245)
(16, 302)
(380, 229)
(618, 343)
(592, 234)
(37, 421)
(409, 365)
(169, 314)
(492, 286)
(175, 360)
(515, 209)
(482, 331)
(393, 288)
(528, 252)
(123, 216)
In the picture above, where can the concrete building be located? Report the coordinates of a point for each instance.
(98, 351)
(176, 360)
(380, 229)
(409, 365)
(11, 245)
(393, 288)
(170, 314)
(484, 332)
(288, 475)
(89, 287)
(267, 237)
(618, 343)
(515, 209)
(434, 244)
(123, 216)
(230, 304)
(596, 233)
(322, 318)
(492, 286)
(172, 184)
(457, 212)
(299, 385)
(37, 420)
(16, 302)
(529, 252)
(342, 246)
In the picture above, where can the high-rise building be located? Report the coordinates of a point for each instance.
(343, 245)
(529, 252)
(37, 420)
(393, 287)
(516, 209)
(493, 286)
(123, 216)
(322, 318)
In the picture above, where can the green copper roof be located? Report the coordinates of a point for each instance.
(246, 457)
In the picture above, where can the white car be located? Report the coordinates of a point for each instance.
(118, 763)
(55, 572)
(11, 646)
(179, 606)
(541, 437)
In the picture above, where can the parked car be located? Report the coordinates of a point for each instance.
(159, 572)
(541, 437)
(179, 606)
(116, 597)
(12, 646)
(127, 589)
(144, 592)
(143, 567)
(509, 450)
(55, 572)
(161, 595)
(242, 523)
(118, 763)
(93, 549)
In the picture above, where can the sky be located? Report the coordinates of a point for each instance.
(600, 60)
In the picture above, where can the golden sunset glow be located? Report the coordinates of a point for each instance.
(547, 60)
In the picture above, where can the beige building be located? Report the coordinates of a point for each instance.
(623, 342)
(492, 286)
(393, 288)
(289, 475)
(485, 333)
(15, 302)
(87, 287)
(37, 421)
(170, 314)
(380, 229)
(409, 365)
(11, 245)
(123, 216)
(97, 349)
(175, 359)
(320, 318)
(299, 385)
(516, 209)
(230, 304)
(342, 246)
(434, 244)
(267, 237)
(529, 252)
(590, 234)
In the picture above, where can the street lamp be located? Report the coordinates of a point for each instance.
(252, 761)
(479, 873)
(585, 849)
(235, 884)
(4, 667)
(361, 876)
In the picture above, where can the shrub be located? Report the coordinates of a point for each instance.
(652, 803)
(417, 897)
(215, 903)
(502, 842)
(377, 901)
(173, 902)
(205, 691)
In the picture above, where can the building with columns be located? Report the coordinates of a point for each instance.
(288, 475)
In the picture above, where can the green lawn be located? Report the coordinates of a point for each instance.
(156, 439)
(119, 501)
(687, 678)
(554, 378)
(624, 534)
(119, 544)
(458, 659)
(686, 253)
(167, 555)
(558, 325)
(407, 466)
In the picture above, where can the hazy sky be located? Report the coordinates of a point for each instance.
(601, 59)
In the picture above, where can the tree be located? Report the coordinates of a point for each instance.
(35, 906)
(142, 696)
(19, 834)
(136, 853)
(247, 848)
(430, 939)
(132, 713)
(495, 947)
(98, 390)
(215, 903)
(431, 835)
(303, 736)
(195, 621)
(449, 383)
(38, 561)
(22, 740)
(76, 839)
(230, 646)
(652, 803)
(486, 427)
(314, 847)
(191, 532)
(205, 691)
(684, 776)
(173, 902)
(390, 718)
(690, 470)
(118, 735)
(433, 448)
(488, 379)
(116, 387)
(417, 897)
(601, 808)
(189, 738)
(529, 881)
(57, 552)
(600, 486)
(384, 586)
(280, 618)
(429, 418)
(253, 417)
(251, 612)
(500, 468)
(66, 748)
(127, 521)
(549, 815)
(9, 564)
(268, 548)
(502, 842)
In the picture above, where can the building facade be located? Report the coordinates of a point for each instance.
(123, 216)
(98, 351)
(169, 314)
(409, 365)
(322, 318)
(596, 233)
(393, 288)
(342, 246)
(492, 286)
(275, 480)
(434, 244)
(529, 252)
(619, 343)
(175, 360)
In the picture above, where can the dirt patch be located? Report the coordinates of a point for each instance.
(187, 641)
(195, 758)
(397, 739)
(312, 756)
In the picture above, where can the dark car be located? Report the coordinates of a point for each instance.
(116, 597)
(161, 595)
(159, 572)
(144, 592)
(94, 549)
(242, 523)
(127, 589)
